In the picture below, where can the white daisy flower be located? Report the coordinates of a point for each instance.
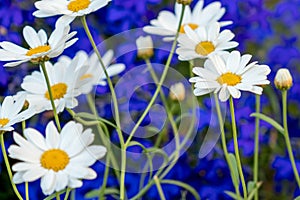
(90, 73)
(11, 112)
(60, 160)
(70, 9)
(167, 22)
(144, 46)
(228, 74)
(177, 91)
(63, 80)
(203, 41)
(41, 48)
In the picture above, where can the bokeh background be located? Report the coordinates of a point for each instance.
(268, 29)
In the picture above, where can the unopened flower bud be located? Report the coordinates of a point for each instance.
(145, 47)
(283, 79)
(184, 2)
(177, 92)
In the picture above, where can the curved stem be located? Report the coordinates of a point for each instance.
(159, 189)
(105, 177)
(162, 79)
(224, 145)
(236, 148)
(51, 96)
(57, 196)
(8, 166)
(67, 193)
(113, 94)
(287, 138)
(256, 145)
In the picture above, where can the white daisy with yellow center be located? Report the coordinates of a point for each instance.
(40, 47)
(203, 41)
(90, 73)
(228, 74)
(11, 112)
(60, 160)
(63, 80)
(167, 22)
(70, 9)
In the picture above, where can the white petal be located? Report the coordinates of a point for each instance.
(48, 182)
(34, 174)
(18, 177)
(36, 138)
(52, 136)
(224, 94)
(233, 61)
(235, 93)
(61, 181)
(31, 37)
(11, 47)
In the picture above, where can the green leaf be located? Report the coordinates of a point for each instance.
(250, 186)
(232, 195)
(252, 193)
(95, 193)
(269, 120)
(236, 180)
(297, 198)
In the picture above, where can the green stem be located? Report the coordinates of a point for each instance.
(57, 196)
(67, 193)
(162, 79)
(123, 171)
(256, 145)
(224, 145)
(26, 183)
(113, 94)
(105, 177)
(236, 148)
(8, 167)
(159, 189)
(286, 136)
(51, 96)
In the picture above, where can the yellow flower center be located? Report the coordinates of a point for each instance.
(58, 91)
(39, 49)
(191, 25)
(204, 48)
(3, 121)
(77, 5)
(85, 76)
(229, 79)
(54, 159)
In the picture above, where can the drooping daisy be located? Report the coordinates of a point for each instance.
(167, 22)
(63, 80)
(91, 73)
(11, 112)
(203, 41)
(144, 46)
(60, 160)
(228, 74)
(41, 48)
(70, 9)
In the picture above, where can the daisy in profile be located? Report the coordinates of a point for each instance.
(70, 9)
(167, 22)
(90, 73)
(228, 74)
(40, 47)
(63, 80)
(11, 112)
(60, 160)
(203, 41)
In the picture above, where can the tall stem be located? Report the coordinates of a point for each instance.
(4, 153)
(26, 183)
(159, 189)
(224, 145)
(256, 145)
(286, 136)
(51, 96)
(236, 148)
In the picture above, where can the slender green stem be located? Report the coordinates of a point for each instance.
(236, 148)
(67, 193)
(51, 96)
(256, 145)
(286, 136)
(4, 153)
(26, 183)
(123, 172)
(113, 94)
(57, 196)
(224, 145)
(105, 177)
(159, 189)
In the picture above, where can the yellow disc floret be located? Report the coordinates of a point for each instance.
(229, 79)
(54, 159)
(39, 49)
(3, 122)
(77, 5)
(204, 48)
(58, 91)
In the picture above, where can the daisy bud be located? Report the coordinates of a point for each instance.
(283, 79)
(145, 47)
(184, 2)
(177, 92)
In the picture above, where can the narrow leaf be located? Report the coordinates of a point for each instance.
(269, 120)
(236, 180)
(232, 195)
